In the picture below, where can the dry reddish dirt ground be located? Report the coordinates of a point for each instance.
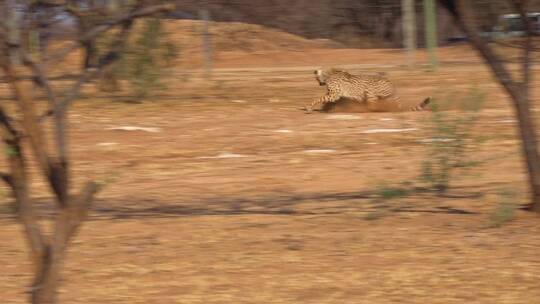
(240, 197)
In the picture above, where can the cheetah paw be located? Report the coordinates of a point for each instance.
(309, 110)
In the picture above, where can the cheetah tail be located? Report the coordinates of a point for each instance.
(422, 105)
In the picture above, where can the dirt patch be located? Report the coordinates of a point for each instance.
(236, 39)
(235, 36)
(352, 106)
(240, 197)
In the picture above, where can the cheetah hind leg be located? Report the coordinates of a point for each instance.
(372, 103)
(322, 101)
(396, 101)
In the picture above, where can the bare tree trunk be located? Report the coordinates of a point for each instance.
(48, 250)
(46, 278)
(523, 109)
(517, 89)
(204, 15)
(409, 30)
(530, 147)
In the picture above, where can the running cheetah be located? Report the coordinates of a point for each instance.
(367, 88)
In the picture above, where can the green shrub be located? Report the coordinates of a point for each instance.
(451, 141)
(504, 211)
(146, 61)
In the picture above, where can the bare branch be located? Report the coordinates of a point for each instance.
(5, 121)
(48, 251)
(72, 215)
(19, 185)
(40, 76)
(53, 170)
(7, 179)
(88, 73)
(21, 90)
(82, 202)
(99, 29)
(73, 92)
(526, 71)
(463, 17)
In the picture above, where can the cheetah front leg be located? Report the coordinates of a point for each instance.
(330, 96)
(372, 102)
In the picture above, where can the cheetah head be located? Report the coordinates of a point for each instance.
(320, 77)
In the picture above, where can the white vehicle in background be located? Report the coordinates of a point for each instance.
(510, 25)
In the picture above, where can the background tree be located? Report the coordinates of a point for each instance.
(25, 68)
(517, 87)
(147, 57)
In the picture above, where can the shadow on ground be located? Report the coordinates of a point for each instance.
(286, 205)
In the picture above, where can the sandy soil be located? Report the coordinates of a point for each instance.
(240, 197)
